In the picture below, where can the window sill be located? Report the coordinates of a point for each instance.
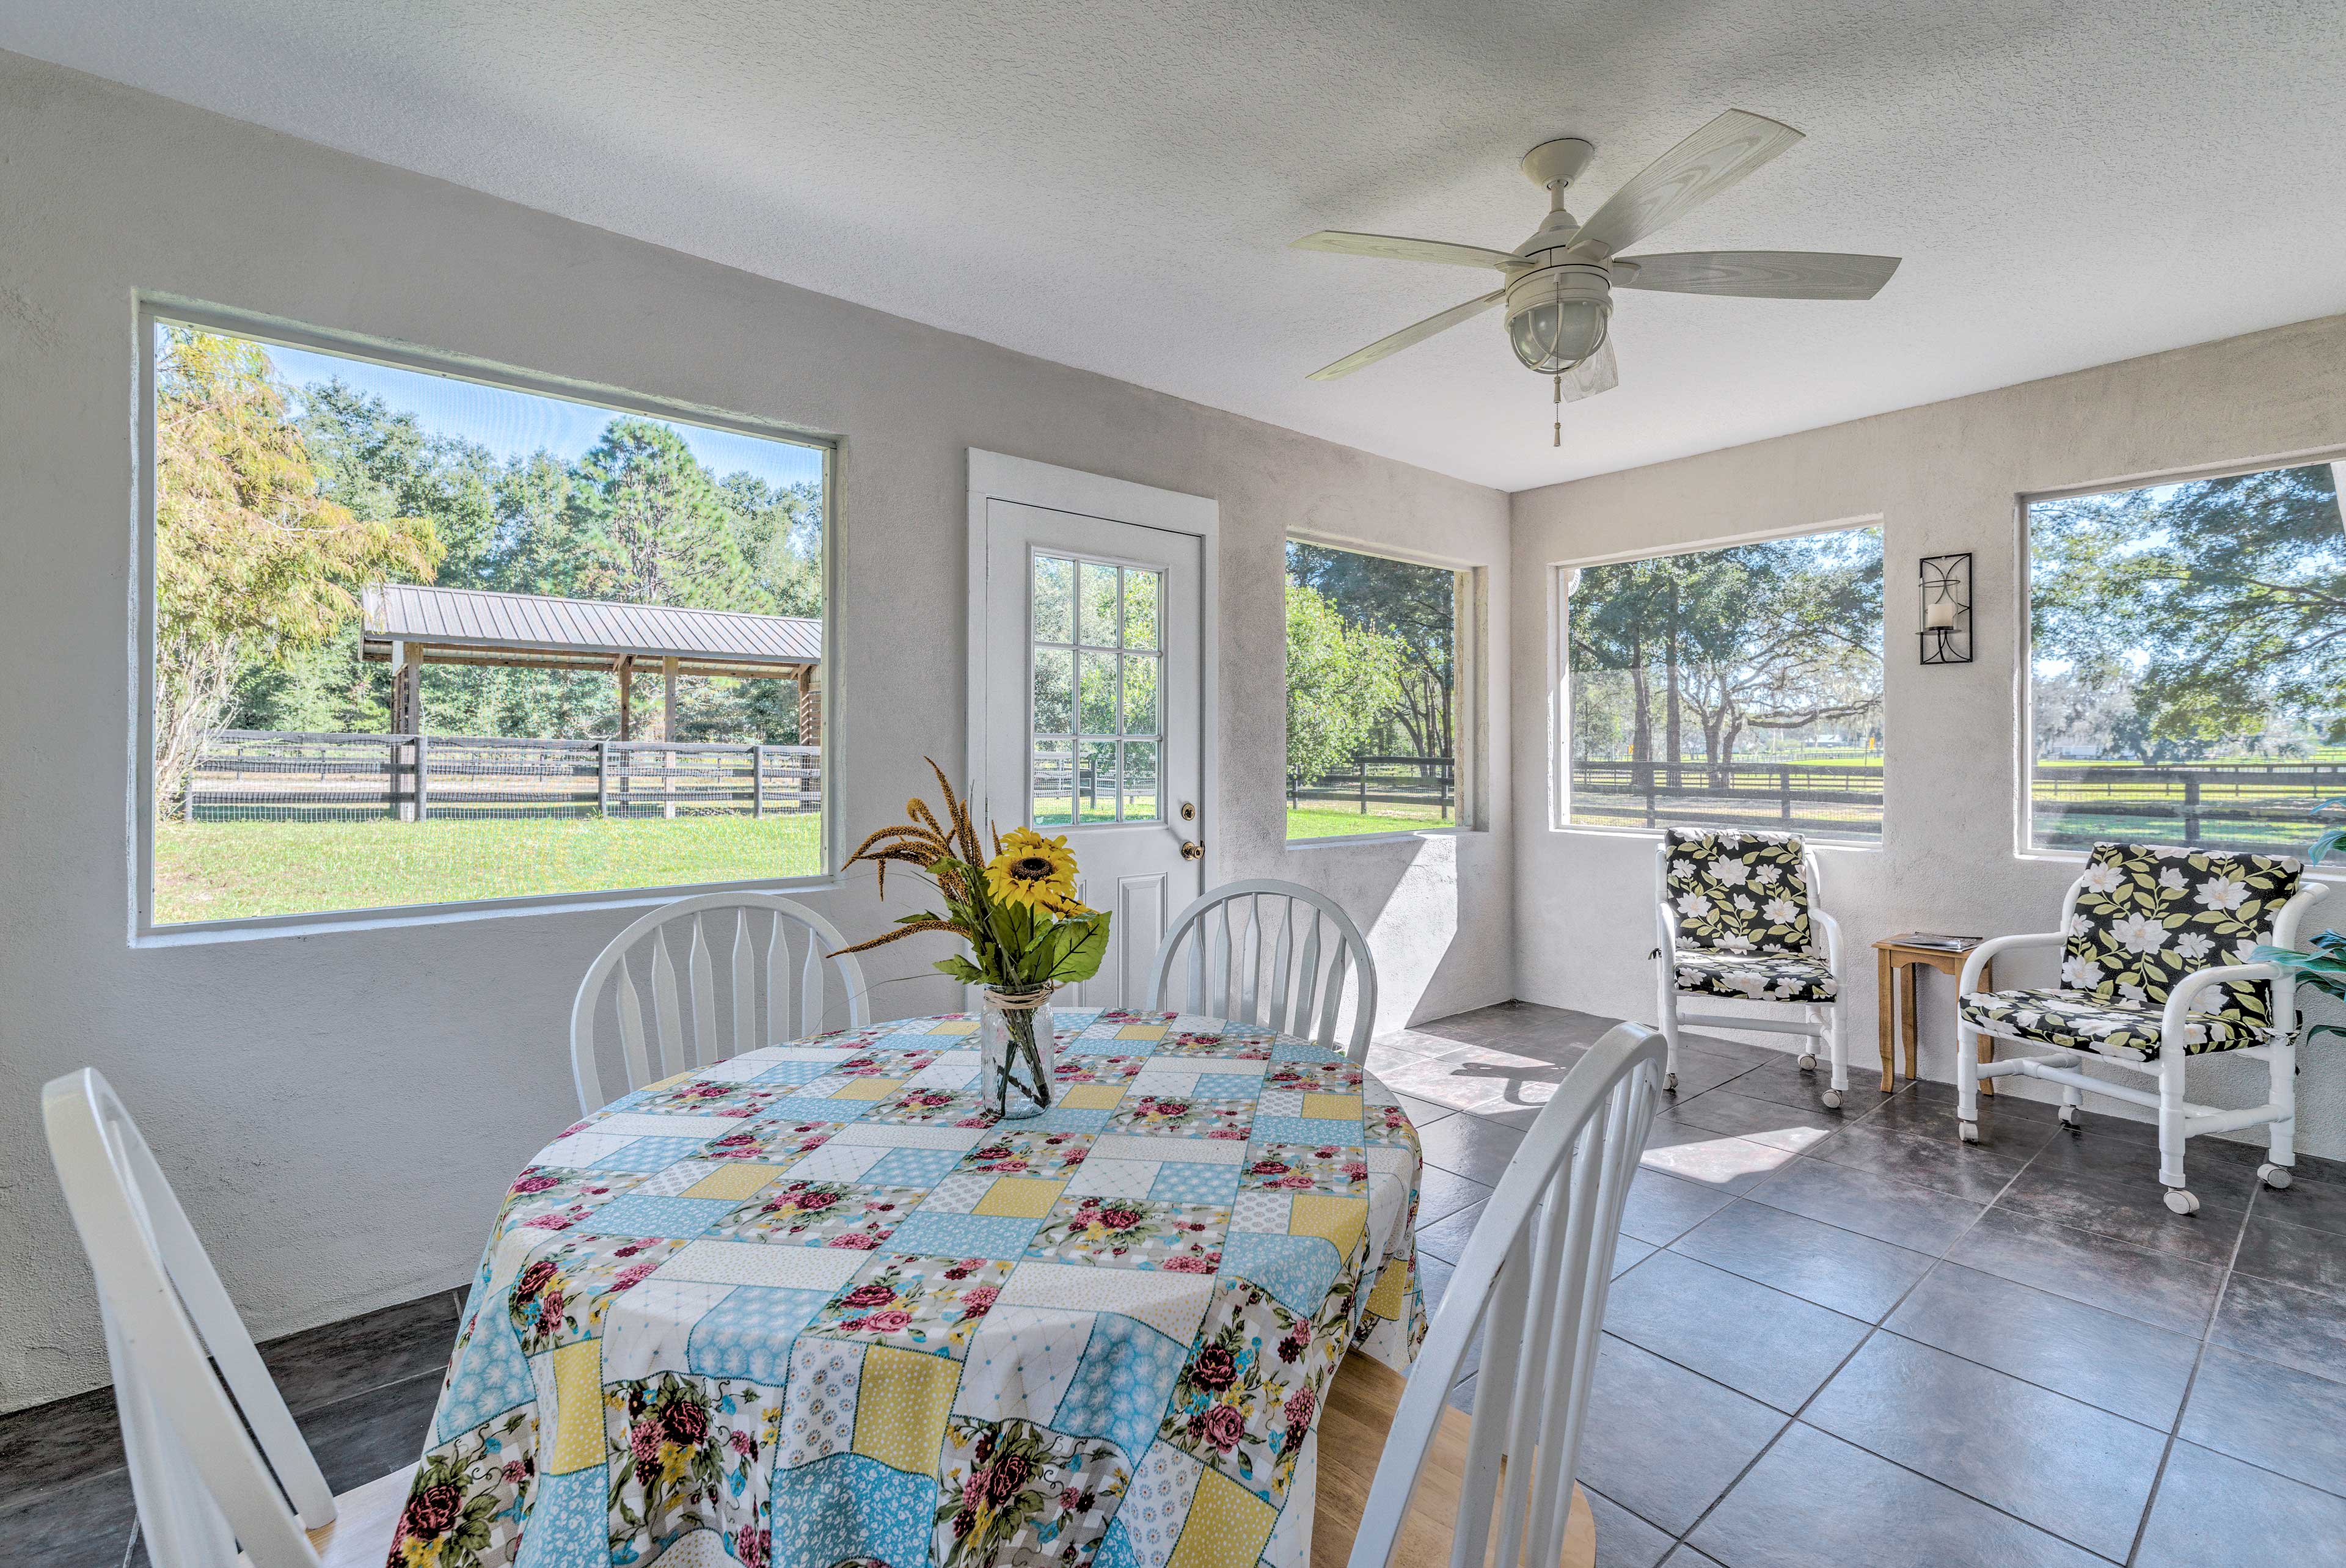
(1342, 840)
(202, 933)
(1654, 836)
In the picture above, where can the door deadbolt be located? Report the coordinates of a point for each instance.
(1189, 810)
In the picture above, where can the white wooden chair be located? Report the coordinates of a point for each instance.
(203, 1485)
(1533, 1280)
(1737, 915)
(2134, 993)
(759, 933)
(1257, 953)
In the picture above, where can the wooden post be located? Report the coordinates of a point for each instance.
(602, 779)
(390, 780)
(1784, 783)
(667, 738)
(2191, 807)
(756, 781)
(1362, 764)
(422, 774)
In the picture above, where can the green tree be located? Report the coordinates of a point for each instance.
(661, 529)
(1417, 607)
(1342, 678)
(252, 560)
(2221, 604)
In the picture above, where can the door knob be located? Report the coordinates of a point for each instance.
(1192, 851)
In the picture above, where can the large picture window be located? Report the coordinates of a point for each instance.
(2187, 668)
(1374, 709)
(1733, 687)
(422, 640)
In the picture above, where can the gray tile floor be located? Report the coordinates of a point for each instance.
(1835, 1338)
(1845, 1339)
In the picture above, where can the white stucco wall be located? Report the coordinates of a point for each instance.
(1941, 478)
(341, 1112)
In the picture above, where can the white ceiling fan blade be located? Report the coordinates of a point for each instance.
(1598, 372)
(1406, 336)
(1391, 247)
(1683, 178)
(1757, 274)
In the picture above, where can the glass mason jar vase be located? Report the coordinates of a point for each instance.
(1018, 1052)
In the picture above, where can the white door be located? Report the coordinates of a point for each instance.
(1094, 666)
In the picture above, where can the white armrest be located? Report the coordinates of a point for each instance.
(1832, 939)
(2179, 999)
(1979, 955)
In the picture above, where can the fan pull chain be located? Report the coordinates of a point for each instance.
(1559, 408)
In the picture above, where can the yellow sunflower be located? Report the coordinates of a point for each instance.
(1034, 870)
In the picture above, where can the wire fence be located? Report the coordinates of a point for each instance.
(253, 775)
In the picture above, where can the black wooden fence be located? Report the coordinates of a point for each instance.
(1788, 797)
(252, 775)
(2245, 805)
(1429, 784)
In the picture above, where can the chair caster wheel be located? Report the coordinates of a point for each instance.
(2072, 1117)
(1671, 1083)
(1809, 1062)
(2277, 1177)
(2182, 1202)
(1833, 1099)
(1970, 1131)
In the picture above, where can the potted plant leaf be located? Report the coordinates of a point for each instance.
(2323, 966)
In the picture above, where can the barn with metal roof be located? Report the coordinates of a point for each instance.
(408, 626)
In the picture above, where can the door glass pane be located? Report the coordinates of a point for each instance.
(1139, 695)
(1140, 608)
(1140, 780)
(1054, 783)
(1097, 803)
(1098, 601)
(1055, 600)
(1098, 672)
(1055, 691)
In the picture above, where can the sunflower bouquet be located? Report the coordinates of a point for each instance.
(1028, 934)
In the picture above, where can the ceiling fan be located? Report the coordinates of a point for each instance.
(1560, 282)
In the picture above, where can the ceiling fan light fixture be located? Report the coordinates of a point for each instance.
(1558, 316)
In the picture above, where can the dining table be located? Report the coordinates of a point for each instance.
(816, 1305)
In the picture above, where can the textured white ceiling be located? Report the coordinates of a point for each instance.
(1113, 185)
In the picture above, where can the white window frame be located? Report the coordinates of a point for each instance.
(156, 309)
(1561, 576)
(2023, 748)
(1470, 622)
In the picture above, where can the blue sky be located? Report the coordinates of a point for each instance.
(511, 424)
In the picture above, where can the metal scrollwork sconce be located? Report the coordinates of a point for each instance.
(1946, 625)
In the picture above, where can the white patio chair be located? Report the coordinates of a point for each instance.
(759, 933)
(1737, 915)
(2136, 928)
(1534, 1281)
(1256, 954)
(202, 1485)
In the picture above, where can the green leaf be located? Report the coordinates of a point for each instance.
(1080, 959)
(962, 970)
(2325, 846)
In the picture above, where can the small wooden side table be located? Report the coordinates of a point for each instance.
(1903, 951)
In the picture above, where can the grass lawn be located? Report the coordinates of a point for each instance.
(231, 870)
(1329, 822)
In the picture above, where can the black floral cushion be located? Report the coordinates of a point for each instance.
(1738, 891)
(2148, 916)
(2074, 1021)
(1757, 976)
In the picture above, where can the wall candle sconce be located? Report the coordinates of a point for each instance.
(1946, 587)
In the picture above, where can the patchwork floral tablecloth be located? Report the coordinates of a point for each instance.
(812, 1306)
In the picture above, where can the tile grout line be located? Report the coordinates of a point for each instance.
(2199, 1356)
(1876, 1325)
